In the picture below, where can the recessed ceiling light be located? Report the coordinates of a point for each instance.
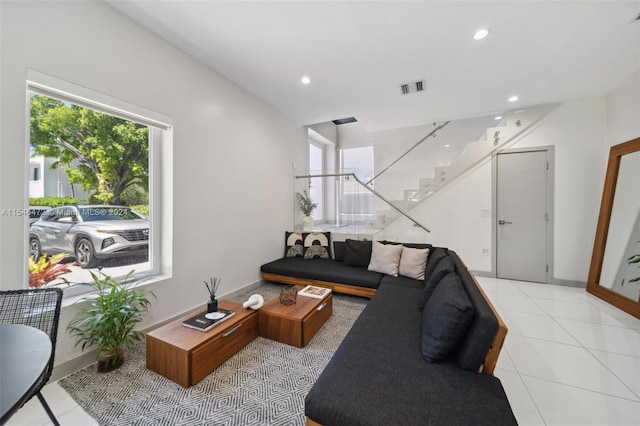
(305, 80)
(481, 33)
(447, 146)
(513, 98)
(499, 117)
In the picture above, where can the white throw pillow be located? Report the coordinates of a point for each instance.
(385, 258)
(413, 262)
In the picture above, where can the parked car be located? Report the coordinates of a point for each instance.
(35, 212)
(91, 233)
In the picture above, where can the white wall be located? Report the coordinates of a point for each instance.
(576, 130)
(623, 112)
(233, 154)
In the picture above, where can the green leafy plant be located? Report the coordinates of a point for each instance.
(47, 269)
(106, 318)
(306, 204)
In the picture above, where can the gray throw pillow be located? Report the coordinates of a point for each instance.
(339, 248)
(385, 258)
(436, 254)
(357, 253)
(445, 320)
(444, 267)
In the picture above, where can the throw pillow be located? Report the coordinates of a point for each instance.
(445, 320)
(413, 262)
(445, 266)
(339, 248)
(357, 253)
(435, 255)
(293, 244)
(316, 244)
(385, 258)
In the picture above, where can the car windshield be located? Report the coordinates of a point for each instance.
(107, 213)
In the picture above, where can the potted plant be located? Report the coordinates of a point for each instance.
(307, 206)
(107, 316)
(47, 269)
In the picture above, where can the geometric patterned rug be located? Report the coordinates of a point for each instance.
(265, 383)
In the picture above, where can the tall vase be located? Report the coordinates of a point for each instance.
(307, 223)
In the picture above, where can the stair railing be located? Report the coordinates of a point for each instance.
(373, 191)
(431, 133)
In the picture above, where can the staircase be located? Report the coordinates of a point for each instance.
(507, 132)
(429, 179)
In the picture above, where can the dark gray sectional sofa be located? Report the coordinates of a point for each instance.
(379, 374)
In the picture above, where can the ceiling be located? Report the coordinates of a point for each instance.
(357, 54)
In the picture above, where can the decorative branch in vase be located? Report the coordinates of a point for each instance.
(212, 287)
(307, 206)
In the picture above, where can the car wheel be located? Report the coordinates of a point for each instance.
(85, 254)
(34, 248)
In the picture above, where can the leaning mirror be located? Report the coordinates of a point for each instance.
(614, 275)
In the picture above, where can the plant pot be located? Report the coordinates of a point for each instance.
(110, 360)
(307, 223)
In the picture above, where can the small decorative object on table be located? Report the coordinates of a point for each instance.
(212, 304)
(314, 291)
(288, 295)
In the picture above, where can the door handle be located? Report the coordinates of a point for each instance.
(504, 222)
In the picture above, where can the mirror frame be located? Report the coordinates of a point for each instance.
(611, 179)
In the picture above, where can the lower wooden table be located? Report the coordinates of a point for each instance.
(295, 324)
(186, 356)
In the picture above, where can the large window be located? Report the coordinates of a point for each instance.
(100, 192)
(317, 166)
(357, 200)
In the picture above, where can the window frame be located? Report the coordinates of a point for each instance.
(322, 203)
(372, 213)
(160, 168)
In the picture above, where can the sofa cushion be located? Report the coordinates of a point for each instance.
(293, 242)
(357, 253)
(413, 262)
(339, 248)
(316, 244)
(384, 258)
(444, 267)
(403, 281)
(378, 376)
(323, 270)
(483, 329)
(436, 254)
(445, 319)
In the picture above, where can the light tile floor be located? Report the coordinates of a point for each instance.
(569, 359)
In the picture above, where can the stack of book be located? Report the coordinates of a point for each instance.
(205, 321)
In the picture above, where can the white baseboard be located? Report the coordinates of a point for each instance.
(554, 281)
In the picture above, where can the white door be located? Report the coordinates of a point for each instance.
(522, 216)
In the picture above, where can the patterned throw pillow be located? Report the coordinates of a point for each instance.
(316, 244)
(294, 244)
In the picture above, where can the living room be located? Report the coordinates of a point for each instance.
(227, 174)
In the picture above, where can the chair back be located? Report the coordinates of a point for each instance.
(38, 308)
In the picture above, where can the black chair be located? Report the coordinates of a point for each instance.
(38, 308)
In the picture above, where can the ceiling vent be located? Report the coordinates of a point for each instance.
(344, 121)
(415, 87)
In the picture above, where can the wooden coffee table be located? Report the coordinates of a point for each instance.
(186, 356)
(295, 324)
